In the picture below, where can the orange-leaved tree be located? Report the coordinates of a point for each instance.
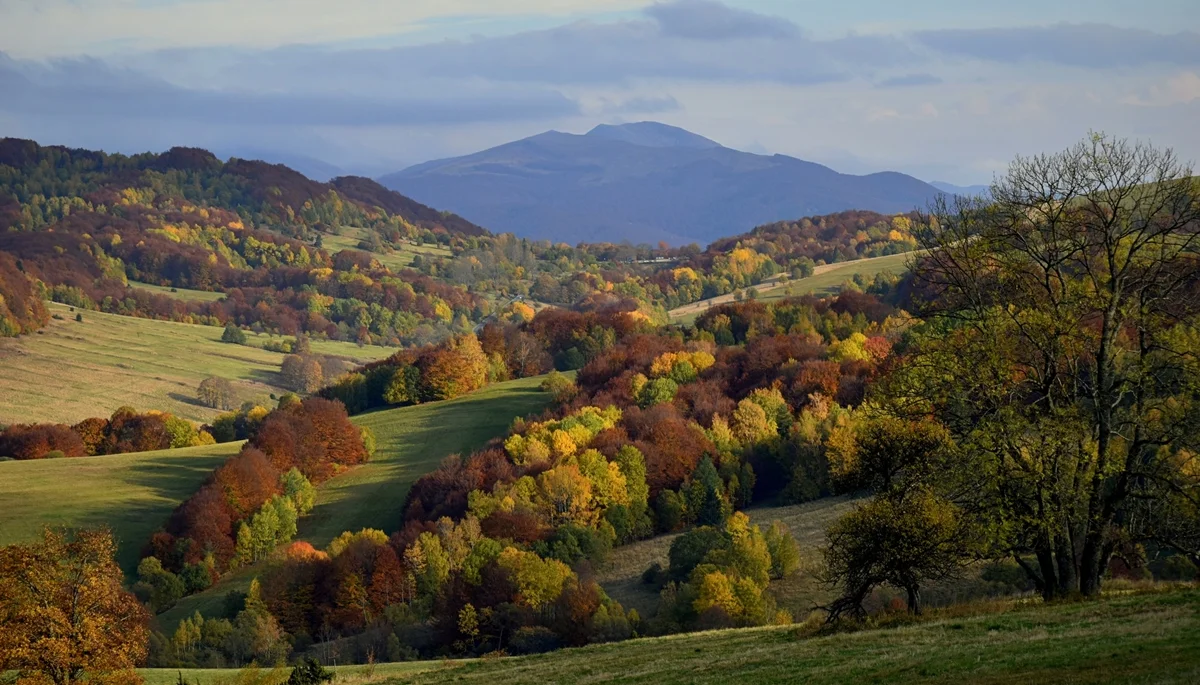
(65, 616)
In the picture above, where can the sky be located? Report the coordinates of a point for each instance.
(947, 91)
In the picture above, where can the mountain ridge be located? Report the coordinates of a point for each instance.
(643, 182)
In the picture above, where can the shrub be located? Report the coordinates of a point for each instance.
(534, 640)
(233, 334)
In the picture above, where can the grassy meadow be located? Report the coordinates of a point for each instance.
(342, 675)
(73, 370)
(1121, 638)
(180, 293)
(131, 493)
(826, 280)
(411, 442)
(396, 260)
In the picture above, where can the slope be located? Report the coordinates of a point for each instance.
(72, 370)
(825, 280)
(131, 493)
(410, 442)
(644, 185)
(1133, 638)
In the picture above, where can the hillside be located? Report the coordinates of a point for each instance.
(643, 183)
(142, 363)
(825, 280)
(131, 493)
(266, 193)
(411, 442)
(1137, 638)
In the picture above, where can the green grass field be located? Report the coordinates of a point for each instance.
(401, 258)
(180, 293)
(1132, 638)
(411, 442)
(131, 493)
(73, 370)
(829, 282)
(342, 675)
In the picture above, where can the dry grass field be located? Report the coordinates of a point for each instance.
(73, 370)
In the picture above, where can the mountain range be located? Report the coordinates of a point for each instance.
(644, 183)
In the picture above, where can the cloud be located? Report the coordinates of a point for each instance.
(641, 105)
(709, 20)
(93, 89)
(1095, 46)
(1178, 89)
(909, 80)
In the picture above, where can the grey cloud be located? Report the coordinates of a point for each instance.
(1096, 46)
(643, 105)
(709, 20)
(582, 53)
(90, 88)
(909, 80)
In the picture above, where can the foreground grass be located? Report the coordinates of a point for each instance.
(1143, 638)
(411, 442)
(342, 675)
(73, 370)
(131, 493)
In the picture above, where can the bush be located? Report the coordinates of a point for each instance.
(233, 334)
(654, 575)
(309, 672)
(534, 640)
(1178, 567)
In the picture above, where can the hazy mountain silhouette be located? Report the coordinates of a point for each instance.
(642, 182)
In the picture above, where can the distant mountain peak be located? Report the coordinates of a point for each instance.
(652, 134)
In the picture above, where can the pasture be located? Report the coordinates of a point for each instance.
(130, 493)
(72, 370)
(1120, 638)
(826, 280)
(400, 258)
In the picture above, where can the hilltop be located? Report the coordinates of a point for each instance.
(644, 183)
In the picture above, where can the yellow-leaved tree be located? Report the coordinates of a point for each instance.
(65, 616)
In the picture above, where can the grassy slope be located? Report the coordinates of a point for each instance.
(180, 293)
(411, 442)
(343, 675)
(399, 259)
(825, 281)
(131, 493)
(1145, 638)
(621, 575)
(74, 370)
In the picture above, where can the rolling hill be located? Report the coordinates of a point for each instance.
(645, 183)
(143, 363)
(1138, 638)
(411, 441)
(130, 493)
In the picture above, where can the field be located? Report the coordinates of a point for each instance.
(621, 575)
(411, 442)
(342, 675)
(826, 280)
(180, 293)
(1131, 638)
(395, 261)
(131, 493)
(73, 370)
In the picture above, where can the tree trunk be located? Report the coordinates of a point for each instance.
(1050, 588)
(914, 600)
